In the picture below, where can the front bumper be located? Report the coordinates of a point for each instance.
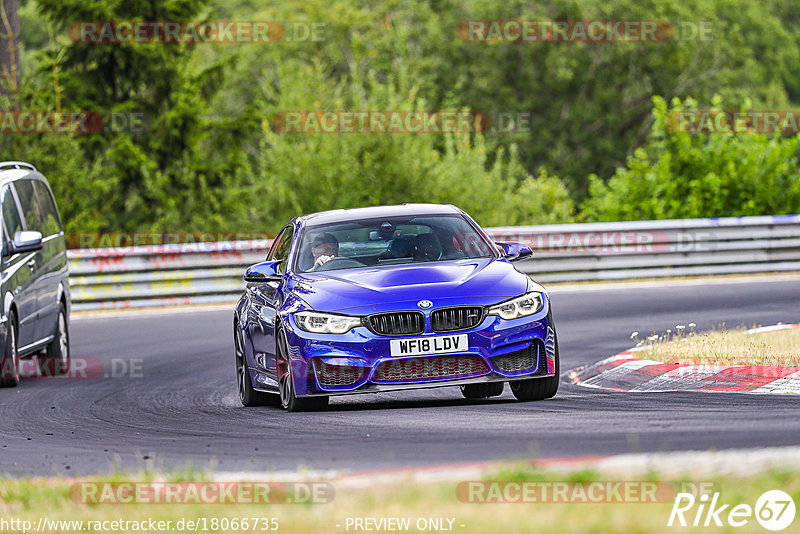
(361, 362)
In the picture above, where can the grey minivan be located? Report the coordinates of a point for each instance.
(35, 279)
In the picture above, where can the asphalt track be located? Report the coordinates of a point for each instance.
(182, 409)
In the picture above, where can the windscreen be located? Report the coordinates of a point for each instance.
(390, 241)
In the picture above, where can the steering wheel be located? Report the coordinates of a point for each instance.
(339, 263)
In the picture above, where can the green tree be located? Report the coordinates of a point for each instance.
(298, 173)
(9, 47)
(164, 176)
(208, 160)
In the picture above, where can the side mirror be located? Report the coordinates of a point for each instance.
(515, 251)
(25, 241)
(263, 272)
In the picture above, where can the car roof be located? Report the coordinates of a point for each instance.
(376, 212)
(11, 171)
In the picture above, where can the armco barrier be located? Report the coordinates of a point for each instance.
(211, 272)
(161, 275)
(644, 249)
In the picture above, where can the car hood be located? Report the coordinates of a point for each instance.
(364, 291)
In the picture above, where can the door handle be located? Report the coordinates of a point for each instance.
(32, 263)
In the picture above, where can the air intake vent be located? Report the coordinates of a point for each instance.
(430, 368)
(521, 360)
(397, 323)
(338, 375)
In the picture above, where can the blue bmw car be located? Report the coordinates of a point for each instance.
(388, 298)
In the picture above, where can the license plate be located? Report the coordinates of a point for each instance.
(430, 345)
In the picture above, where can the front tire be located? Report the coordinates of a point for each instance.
(9, 368)
(56, 359)
(248, 396)
(535, 389)
(289, 400)
(482, 391)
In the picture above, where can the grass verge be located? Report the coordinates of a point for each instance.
(724, 347)
(30, 500)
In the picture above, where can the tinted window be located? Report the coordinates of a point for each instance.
(29, 203)
(52, 223)
(11, 219)
(390, 241)
(283, 244)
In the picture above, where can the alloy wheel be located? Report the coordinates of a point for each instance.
(14, 355)
(284, 373)
(63, 342)
(241, 376)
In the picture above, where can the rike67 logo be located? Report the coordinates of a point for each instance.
(774, 510)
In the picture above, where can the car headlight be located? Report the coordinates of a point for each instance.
(325, 323)
(515, 308)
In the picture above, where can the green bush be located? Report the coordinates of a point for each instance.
(683, 175)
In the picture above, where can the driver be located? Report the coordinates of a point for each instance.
(325, 247)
